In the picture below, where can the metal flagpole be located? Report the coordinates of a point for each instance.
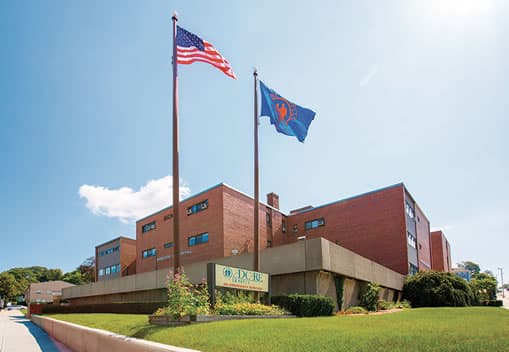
(176, 190)
(256, 183)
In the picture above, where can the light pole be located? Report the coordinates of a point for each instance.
(502, 281)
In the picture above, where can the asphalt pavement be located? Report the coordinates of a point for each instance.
(18, 334)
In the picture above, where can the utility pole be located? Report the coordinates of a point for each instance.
(502, 281)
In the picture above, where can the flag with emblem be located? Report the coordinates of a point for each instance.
(191, 48)
(288, 118)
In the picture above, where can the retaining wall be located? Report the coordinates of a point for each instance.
(83, 339)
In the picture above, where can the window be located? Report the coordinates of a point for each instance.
(409, 210)
(109, 251)
(411, 240)
(283, 226)
(149, 253)
(101, 272)
(268, 219)
(38, 292)
(168, 245)
(107, 271)
(118, 268)
(148, 227)
(113, 269)
(168, 217)
(198, 207)
(412, 269)
(295, 228)
(314, 223)
(194, 240)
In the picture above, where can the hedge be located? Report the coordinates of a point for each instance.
(305, 305)
(121, 308)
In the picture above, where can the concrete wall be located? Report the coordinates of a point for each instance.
(80, 338)
(301, 267)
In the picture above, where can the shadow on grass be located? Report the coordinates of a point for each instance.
(145, 331)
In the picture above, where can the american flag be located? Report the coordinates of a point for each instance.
(191, 48)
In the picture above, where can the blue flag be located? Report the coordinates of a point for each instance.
(289, 118)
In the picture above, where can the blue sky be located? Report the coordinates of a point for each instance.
(405, 91)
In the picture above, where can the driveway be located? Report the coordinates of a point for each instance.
(19, 334)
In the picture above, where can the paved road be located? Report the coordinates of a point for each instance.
(18, 334)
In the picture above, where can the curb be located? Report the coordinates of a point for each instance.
(80, 338)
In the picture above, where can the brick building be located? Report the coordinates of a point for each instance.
(115, 258)
(441, 252)
(386, 226)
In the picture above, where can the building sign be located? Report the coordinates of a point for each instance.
(241, 279)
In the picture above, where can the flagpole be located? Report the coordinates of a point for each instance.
(176, 190)
(256, 181)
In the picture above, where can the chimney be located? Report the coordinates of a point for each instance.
(273, 200)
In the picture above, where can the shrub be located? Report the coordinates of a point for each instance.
(356, 310)
(233, 297)
(369, 296)
(248, 309)
(493, 303)
(184, 298)
(435, 289)
(120, 308)
(305, 305)
(386, 305)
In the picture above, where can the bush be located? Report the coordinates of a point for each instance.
(437, 289)
(248, 309)
(356, 310)
(369, 296)
(305, 305)
(493, 303)
(234, 297)
(184, 298)
(120, 308)
(386, 305)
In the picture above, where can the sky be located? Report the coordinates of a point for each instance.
(412, 91)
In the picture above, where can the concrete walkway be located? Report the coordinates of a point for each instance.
(19, 334)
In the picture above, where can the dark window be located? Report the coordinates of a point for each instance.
(283, 225)
(269, 243)
(314, 223)
(168, 217)
(198, 207)
(149, 252)
(148, 227)
(409, 210)
(109, 251)
(411, 240)
(412, 269)
(295, 228)
(168, 245)
(268, 219)
(194, 240)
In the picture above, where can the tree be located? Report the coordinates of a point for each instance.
(437, 289)
(474, 268)
(485, 286)
(87, 270)
(9, 288)
(73, 277)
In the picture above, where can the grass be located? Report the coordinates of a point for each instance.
(427, 329)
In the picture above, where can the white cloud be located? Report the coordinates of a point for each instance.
(369, 76)
(128, 205)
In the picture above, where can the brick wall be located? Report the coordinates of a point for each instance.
(372, 225)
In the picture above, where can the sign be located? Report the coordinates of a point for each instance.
(241, 279)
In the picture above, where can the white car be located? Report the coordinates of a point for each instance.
(15, 307)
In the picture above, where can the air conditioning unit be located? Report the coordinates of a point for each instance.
(204, 205)
(301, 238)
(189, 211)
(235, 251)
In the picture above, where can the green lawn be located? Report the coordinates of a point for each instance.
(438, 329)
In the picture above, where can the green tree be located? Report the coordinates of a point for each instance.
(485, 286)
(9, 288)
(474, 268)
(73, 277)
(436, 289)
